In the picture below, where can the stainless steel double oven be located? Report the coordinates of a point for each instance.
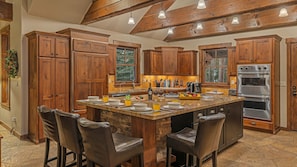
(254, 81)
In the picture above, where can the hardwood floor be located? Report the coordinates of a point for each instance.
(255, 149)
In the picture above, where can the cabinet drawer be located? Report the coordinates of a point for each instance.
(265, 125)
(89, 46)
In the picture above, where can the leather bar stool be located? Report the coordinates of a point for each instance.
(50, 132)
(70, 137)
(199, 143)
(107, 149)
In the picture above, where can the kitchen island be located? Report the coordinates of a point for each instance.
(154, 126)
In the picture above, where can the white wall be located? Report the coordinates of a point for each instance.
(287, 32)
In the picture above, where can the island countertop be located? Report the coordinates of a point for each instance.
(187, 106)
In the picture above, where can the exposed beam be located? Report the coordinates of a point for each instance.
(103, 9)
(5, 11)
(250, 21)
(215, 9)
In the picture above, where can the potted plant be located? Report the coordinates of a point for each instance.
(11, 63)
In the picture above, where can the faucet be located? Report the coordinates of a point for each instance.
(121, 86)
(133, 84)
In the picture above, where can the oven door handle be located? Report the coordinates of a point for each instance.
(255, 96)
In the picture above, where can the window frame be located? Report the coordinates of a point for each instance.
(5, 81)
(136, 47)
(202, 50)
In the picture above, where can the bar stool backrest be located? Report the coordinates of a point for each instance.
(49, 122)
(208, 134)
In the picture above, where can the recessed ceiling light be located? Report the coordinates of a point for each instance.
(170, 31)
(199, 26)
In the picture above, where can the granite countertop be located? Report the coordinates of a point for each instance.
(187, 106)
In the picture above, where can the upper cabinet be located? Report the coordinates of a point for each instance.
(170, 61)
(186, 63)
(257, 49)
(231, 61)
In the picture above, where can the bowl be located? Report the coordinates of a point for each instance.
(93, 98)
(173, 104)
(140, 106)
(114, 101)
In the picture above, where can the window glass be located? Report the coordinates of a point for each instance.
(126, 64)
(215, 66)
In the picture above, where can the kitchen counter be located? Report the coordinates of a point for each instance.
(154, 126)
(188, 106)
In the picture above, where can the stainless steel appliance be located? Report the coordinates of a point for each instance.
(254, 82)
(193, 87)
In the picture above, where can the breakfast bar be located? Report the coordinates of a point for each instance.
(154, 126)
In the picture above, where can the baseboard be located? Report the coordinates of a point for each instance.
(13, 132)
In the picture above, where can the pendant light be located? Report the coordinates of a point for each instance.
(170, 31)
(201, 4)
(199, 26)
(162, 14)
(131, 20)
(283, 12)
(235, 20)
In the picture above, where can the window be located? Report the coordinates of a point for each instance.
(214, 64)
(127, 67)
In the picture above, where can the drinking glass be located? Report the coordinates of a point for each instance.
(105, 98)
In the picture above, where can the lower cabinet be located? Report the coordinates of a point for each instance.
(232, 130)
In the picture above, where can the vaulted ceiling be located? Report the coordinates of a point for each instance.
(181, 15)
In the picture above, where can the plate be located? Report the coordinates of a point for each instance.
(177, 108)
(146, 109)
(119, 104)
(92, 100)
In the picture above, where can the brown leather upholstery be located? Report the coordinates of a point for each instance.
(69, 134)
(50, 129)
(201, 142)
(107, 149)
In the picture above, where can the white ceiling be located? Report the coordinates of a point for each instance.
(73, 11)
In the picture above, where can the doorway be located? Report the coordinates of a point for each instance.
(292, 83)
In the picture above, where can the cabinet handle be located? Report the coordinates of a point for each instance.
(253, 123)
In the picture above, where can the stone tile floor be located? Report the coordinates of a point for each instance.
(255, 149)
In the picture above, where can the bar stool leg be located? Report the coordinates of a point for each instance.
(141, 160)
(168, 157)
(58, 154)
(47, 145)
(63, 159)
(214, 158)
(79, 160)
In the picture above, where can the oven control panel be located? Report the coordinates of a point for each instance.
(254, 68)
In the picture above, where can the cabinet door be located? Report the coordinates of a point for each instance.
(244, 50)
(111, 59)
(62, 84)
(170, 61)
(46, 46)
(46, 81)
(62, 47)
(231, 61)
(263, 50)
(152, 62)
(82, 67)
(99, 75)
(187, 63)
(234, 122)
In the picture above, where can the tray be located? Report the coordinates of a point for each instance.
(189, 98)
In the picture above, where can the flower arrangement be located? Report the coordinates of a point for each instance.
(11, 63)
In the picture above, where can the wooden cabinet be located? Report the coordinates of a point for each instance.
(112, 53)
(232, 68)
(153, 62)
(263, 50)
(48, 77)
(89, 68)
(170, 61)
(187, 63)
(256, 50)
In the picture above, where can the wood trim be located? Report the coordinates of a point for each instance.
(127, 44)
(215, 46)
(6, 12)
(100, 10)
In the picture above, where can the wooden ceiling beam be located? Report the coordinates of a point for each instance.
(250, 21)
(6, 13)
(215, 9)
(103, 9)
